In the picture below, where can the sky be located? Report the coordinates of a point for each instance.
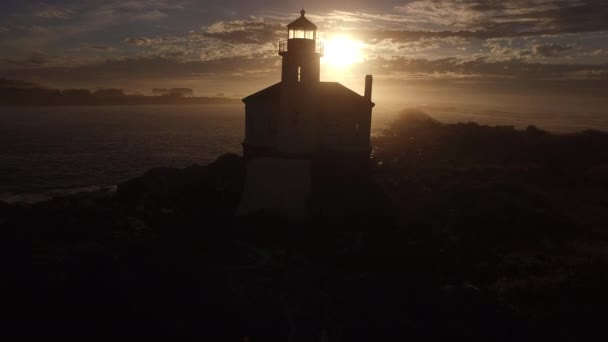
(528, 51)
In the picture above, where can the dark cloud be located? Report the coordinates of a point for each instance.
(148, 5)
(145, 68)
(53, 13)
(473, 19)
(4, 83)
(35, 59)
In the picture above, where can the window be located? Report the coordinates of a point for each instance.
(299, 74)
(302, 34)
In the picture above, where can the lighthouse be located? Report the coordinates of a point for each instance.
(299, 114)
(293, 124)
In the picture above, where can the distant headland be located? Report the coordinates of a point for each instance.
(21, 94)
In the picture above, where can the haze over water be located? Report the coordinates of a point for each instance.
(50, 148)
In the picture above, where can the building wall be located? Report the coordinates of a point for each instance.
(303, 125)
(261, 124)
(299, 119)
(346, 126)
(301, 54)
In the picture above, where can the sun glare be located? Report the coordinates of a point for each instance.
(342, 52)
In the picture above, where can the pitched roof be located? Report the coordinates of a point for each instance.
(329, 91)
(272, 92)
(333, 90)
(302, 23)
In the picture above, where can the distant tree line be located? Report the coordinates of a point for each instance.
(18, 93)
(173, 91)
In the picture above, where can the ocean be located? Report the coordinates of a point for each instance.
(50, 151)
(53, 150)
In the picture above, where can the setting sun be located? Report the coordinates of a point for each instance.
(342, 52)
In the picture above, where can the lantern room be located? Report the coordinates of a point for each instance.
(302, 28)
(301, 38)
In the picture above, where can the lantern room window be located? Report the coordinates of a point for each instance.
(302, 34)
(302, 28)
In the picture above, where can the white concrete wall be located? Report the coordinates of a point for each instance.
(277, 185)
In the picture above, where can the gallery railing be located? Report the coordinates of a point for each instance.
(284, 47)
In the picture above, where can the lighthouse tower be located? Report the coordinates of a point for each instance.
(299, 124)
(299, 114)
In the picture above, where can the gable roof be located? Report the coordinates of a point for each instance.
(328, 90)
(333, 90)
(270, 93)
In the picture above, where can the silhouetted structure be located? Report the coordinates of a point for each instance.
(301, 117)
(301, 126)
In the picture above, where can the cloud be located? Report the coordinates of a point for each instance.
(457, 14)
(172, 66)
(513, 15)
(149, 5)
(550, 49)
(499, 42)
(34, 60)
(53, 13)
(39, 60)
(499, 46)
(481, 67)
(144, 69)
(151, 16)
(42, 25)
(245, 31)
(476, 19)
(139, 41)
(101, 48)
(223, 39)
(420, 45)
(3, 30)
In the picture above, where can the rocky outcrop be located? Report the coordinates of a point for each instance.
(464, 231)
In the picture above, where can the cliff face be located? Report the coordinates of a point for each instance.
(458, 230)
(198, 191)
